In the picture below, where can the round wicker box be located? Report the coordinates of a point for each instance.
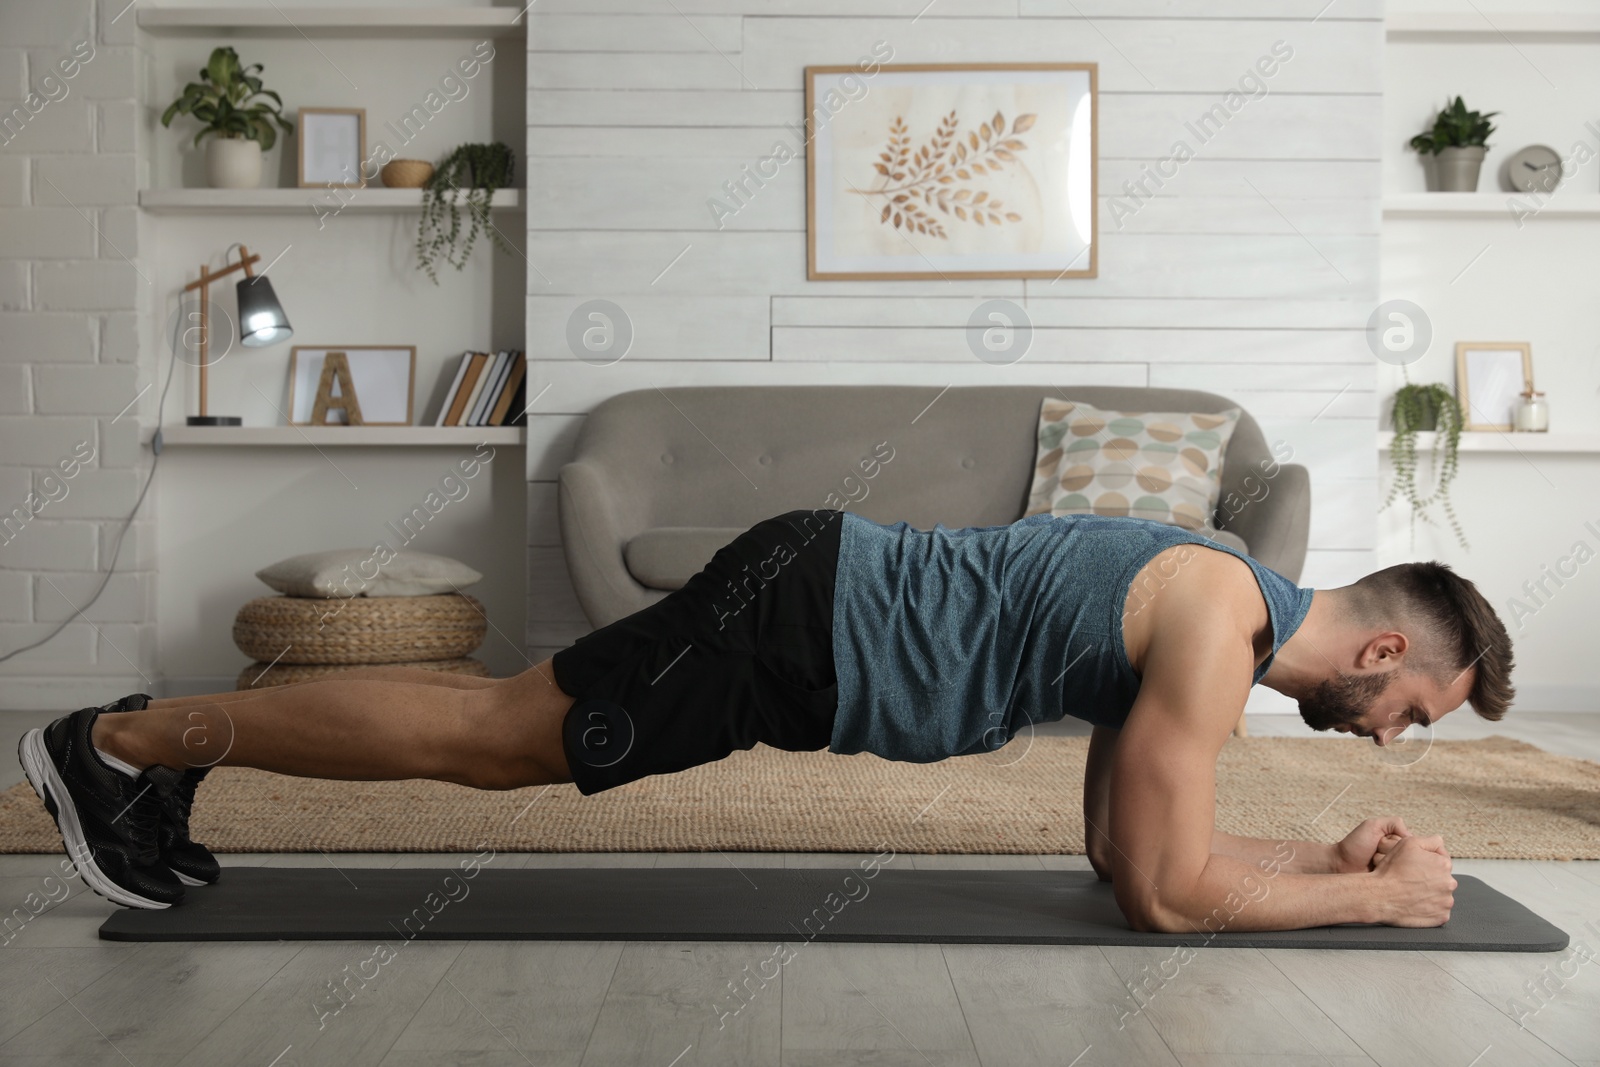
(261, 675)
(360, 630)
(406, 173)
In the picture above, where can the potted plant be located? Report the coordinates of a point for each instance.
(1419, 408)
(1456, 144)
(479, 169)
(240, 130)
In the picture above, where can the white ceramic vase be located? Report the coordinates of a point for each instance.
(233, 163)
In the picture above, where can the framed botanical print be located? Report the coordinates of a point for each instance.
(966, 170)
(1490, 378)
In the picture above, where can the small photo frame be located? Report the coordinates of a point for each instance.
(384, 377)
(332, 144)
(1490, 376)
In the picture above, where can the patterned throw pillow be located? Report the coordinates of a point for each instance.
(1165, 465)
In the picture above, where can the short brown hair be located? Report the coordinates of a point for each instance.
(1458, 628)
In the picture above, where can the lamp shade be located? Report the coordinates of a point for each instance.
(261, 318)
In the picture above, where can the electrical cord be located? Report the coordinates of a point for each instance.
(116, 547)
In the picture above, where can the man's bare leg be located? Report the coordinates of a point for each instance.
(501, 735)
(416, 675)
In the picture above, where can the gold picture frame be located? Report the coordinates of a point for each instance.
(386, 380)
(1047, 227)
(1490, 375)
(321, 161)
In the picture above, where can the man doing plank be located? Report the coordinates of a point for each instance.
(822, 629)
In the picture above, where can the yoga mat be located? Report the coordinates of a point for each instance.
(756, 904)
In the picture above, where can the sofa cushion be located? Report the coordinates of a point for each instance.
(668, 556)
(348, 572)
(1165, 466)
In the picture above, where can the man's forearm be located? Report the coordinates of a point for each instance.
(1231, 894)
(1297, 857)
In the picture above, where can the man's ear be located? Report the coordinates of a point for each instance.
(1383, 649)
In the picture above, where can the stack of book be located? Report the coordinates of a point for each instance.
(487, 391)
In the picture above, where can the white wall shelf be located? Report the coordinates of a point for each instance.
(342, 436)
(313, 202)
(1493, 26)
(1563, 204)
(1489, 441)
(275, 21)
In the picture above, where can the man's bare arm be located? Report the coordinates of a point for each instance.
(1166, 877)
(1357, 852)
(1300, 857)
(1097, 800)
(1163, 801)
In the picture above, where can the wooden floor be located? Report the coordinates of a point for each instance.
(67, 998)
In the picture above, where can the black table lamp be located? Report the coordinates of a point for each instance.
(261, 323)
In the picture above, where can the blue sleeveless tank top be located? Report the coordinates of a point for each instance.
(947, 642)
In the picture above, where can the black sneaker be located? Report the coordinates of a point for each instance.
(191, 861)
(108, 821)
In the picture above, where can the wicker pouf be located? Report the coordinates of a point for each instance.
(365, 631)
(260, 675)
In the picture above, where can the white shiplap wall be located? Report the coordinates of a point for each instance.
(1252, 273)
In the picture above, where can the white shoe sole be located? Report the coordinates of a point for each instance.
(42, 775)
(186, 880)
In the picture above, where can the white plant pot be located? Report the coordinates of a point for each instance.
(1458, 168)
(233, 163)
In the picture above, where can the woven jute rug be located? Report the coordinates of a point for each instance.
(1492, 798)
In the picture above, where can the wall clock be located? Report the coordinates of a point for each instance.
(1535, 169)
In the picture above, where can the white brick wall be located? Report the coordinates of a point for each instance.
(63, 126)
(13, 286)
(45, 233)
(13, 66)
(127, 597)
(48, 545)
(16, 598)
(84, 284)
(13, 181)
(59, 22)
(104, 389)
(38, 338)
(106, 74)
(117, 125)
(14, 390)
(42, 442)
(70, 303)
(78, 181)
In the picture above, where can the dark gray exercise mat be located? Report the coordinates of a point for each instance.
(756, 904)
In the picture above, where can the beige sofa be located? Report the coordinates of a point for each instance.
(662, 478)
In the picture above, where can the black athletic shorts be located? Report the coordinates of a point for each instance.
(743, 653)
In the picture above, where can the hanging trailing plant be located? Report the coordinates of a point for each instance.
(1419, 408)
(466, 179)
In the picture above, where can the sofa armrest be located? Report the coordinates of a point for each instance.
(593, 537)
(1276, 524)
